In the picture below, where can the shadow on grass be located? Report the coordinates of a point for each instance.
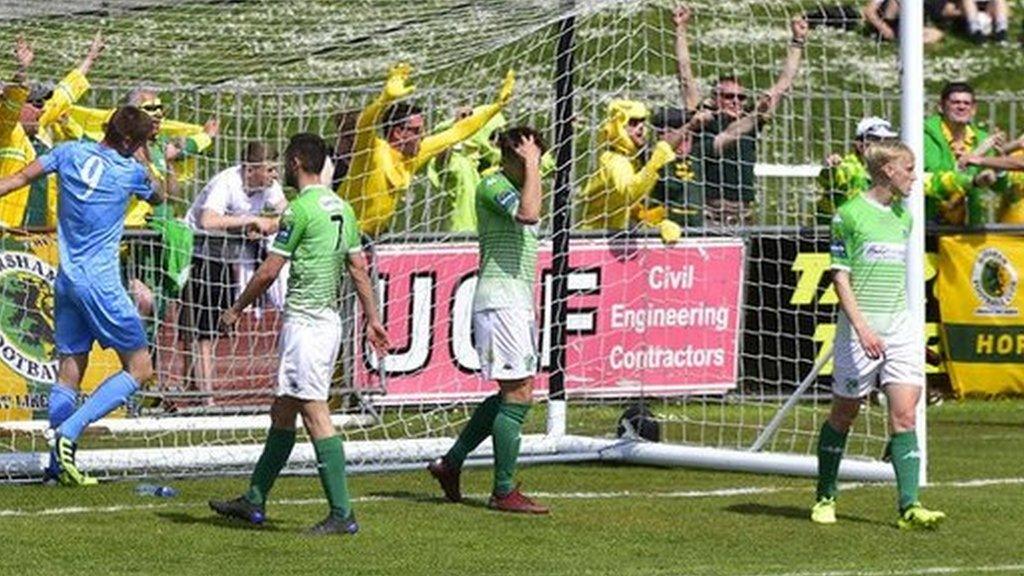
(423, 498)
(212, 519)
(802, 514)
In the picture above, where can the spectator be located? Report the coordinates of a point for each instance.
(614, 195)
(680, 188)
(238, 198)
(382, 167)
(843, 177)
(954, 193)
(730, 137)
(31, 123)
(457, 171)
(882, 19)
(341, 158)
(986, 19)
(1010, 159)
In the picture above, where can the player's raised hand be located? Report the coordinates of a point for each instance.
(799, 27)
(212, 127)
(95, 49)
(873, 346)
(23, 53)
(833, 160)
(529, 151)
(378, 337)
(681, 16)
(396, 86)
(506, 88)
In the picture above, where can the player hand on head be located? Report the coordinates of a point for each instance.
(529, 151)
(506, 88)
(396, 86)
(377, 336)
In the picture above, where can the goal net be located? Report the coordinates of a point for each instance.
(706, 338)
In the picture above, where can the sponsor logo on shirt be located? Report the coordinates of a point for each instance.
(884, 252)
(507, 200)
(838, 248)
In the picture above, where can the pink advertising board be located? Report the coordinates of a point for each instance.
(643, 318)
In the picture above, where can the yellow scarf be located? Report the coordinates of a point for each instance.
(962, 147)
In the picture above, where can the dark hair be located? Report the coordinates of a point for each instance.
(956, 87)
(397, 114)
(510, 138)
(728, 78)
(257, 152)
(127, 125)
(309, 150)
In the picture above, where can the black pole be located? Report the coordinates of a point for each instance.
(562, 215)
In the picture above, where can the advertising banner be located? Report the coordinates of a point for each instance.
(643, 318)
(982, 305)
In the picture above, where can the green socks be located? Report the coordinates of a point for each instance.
(330, 458)
(476, 431)
(507, 427)
(275, 455)
(831, 444)
(906, 459)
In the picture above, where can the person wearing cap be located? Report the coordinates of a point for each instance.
(32, 119)
(614, 196)
(843, 177)
(729, 162)
(954, 193)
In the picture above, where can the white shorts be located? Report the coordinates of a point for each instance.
(506, 341)
(308, 349)
(854, 375)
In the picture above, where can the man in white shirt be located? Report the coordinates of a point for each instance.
(245, 198)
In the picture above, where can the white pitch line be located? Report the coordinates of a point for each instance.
(1018, 568)
(715, 493)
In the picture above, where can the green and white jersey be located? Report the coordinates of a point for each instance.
(869, 241)
(318, 231)
(508, 249)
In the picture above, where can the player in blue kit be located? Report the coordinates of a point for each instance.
(91, 304)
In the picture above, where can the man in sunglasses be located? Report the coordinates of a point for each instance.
(32, 120)
(729, 160)
(172, 144)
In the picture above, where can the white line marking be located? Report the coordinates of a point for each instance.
(715, 493)
(909, 571)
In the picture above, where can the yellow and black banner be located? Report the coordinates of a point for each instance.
(28, 360)
(982, 310)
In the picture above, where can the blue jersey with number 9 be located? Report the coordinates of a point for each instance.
(96, 183)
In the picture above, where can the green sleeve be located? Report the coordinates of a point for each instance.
(840, 245)
(498, 195)
(350, 229)
(292, 227)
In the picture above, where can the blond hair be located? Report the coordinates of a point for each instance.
(878, 155)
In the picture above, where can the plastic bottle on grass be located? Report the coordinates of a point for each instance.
(155, 490)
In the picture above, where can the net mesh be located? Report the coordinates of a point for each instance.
(265, 70)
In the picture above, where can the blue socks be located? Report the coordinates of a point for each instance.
(109, 396)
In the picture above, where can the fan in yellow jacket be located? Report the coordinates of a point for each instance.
(383, 167)
(33, 120)
(614, 196)
(174, 146)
